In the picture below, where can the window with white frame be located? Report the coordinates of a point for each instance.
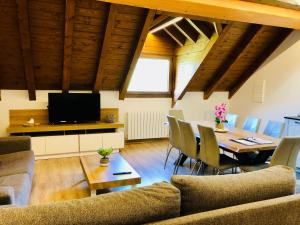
(150, 75)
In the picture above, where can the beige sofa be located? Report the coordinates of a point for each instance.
(261, 198)
(16, 170)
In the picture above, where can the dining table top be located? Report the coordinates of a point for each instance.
(225, 139)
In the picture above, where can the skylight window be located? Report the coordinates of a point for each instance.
(150, 75)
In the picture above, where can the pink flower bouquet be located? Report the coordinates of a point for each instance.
(220, 113)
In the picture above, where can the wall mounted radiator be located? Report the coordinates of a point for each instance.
(146, 125)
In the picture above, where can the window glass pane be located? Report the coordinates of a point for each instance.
(150, 75)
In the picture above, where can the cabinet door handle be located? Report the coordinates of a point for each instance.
(297, 122)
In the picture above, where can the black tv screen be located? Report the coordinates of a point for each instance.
(73, 108)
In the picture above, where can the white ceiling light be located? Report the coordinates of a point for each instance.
(175, 20)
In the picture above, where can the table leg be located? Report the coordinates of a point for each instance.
(133, 186)
(93, 193)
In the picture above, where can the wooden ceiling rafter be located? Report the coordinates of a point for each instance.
(68, 41)
(25, 41)
(187, 30)
(178, 37)
(236, 54)
(200, 27)
(160, 19)
(259, 61)
(231, 10)
(112, 12)
(137, 50)
(218, 28)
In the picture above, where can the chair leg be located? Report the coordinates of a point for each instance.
(168, 154)
(196, 163)
(200, 168)
(190, 163)
(177, 164)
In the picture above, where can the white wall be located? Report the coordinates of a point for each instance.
(195, 108)
(281, 73)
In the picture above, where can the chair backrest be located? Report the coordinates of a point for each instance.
(177, 113)
(232, 119)
(174, 132)
(209, 148)
(286, 152)
(188, 139)
(251, 124)
(274, 129)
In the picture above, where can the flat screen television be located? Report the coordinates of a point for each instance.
(73, 108)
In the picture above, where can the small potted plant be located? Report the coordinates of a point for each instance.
(104, 152)
(220, 111)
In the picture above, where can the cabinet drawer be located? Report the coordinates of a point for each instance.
(90, 142)
(114, 140)
(62, 144)
(38, 145)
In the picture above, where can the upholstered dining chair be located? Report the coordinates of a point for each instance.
(210, 152)
(274, 129)
(174, 137)
(177, 113)
(285, 154)
(251, 124)
(231, 119)
(189, 145)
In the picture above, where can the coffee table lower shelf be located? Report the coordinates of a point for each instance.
(101, 177)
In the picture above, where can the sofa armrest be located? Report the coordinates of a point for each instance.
(14, 144)
(7, 195)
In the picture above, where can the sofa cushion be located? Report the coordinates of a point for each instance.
(278, 211)
(136, 206)
(204, 193)
(18, 162)
(21, 183)
(14, 144)
(7, 195)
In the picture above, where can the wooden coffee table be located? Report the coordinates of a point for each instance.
(101, 177)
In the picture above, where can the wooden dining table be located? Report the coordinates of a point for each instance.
(225, 140)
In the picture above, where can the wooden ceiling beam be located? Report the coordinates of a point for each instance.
(187, 30)
(137, 52)
(218, 28)
(231, 10)
(260, 60)
(175, 35)
(68, 41)
(200, 27)
(236, 54)
(105, 47)
(160, 19)
(25, 41)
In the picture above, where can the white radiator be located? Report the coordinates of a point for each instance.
(146, 125)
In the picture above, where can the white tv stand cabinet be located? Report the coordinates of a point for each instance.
(52, 141)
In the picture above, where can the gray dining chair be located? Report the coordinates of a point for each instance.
(231, 119)
(188, 144)
(174, 137)
(177, 113)
(210, 152)
(274, 129)
(251, 124)
(285, 154)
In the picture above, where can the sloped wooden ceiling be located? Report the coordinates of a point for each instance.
(93, 45)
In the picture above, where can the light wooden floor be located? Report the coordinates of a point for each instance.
(59, 179)
(62, 179)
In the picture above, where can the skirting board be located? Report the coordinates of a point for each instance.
(39, 157)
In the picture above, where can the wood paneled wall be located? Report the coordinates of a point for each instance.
(188, 59)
